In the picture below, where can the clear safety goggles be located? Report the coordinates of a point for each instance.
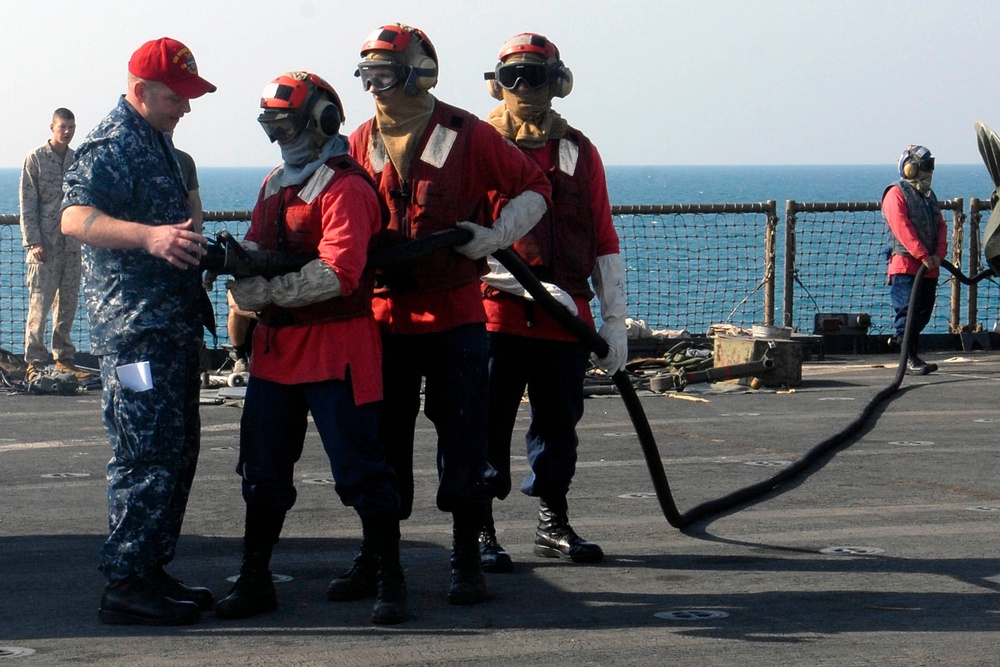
(532, 74)
(283, 128)
(380, 75)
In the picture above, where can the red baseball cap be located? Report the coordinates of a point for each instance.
(171, 63)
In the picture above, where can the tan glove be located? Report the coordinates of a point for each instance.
(250, 294)
(314, 282)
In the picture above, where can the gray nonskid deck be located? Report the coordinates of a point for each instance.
(886, 555)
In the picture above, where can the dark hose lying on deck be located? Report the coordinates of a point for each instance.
(746, 495)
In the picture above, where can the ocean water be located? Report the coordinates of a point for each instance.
(235, 189)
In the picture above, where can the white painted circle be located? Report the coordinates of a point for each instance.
(740, 414)
(276, 578)
(642, 495)
(984, 508)
(912, 443)
(319, 480)
(691, 614)
(226, 448)
(15, 651)
(851, 551)
(986, 421)
(622, 434)
(65, 475)
(768, 464)
(837, 398)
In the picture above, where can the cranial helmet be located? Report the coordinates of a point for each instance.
(541, 66)
(409, 47)
(296, 101)
(914, 160)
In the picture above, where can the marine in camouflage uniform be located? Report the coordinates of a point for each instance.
(54, 275)
(145, 303)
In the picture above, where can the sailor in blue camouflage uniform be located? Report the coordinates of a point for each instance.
(125, 199)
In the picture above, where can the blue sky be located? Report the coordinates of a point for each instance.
(656, 82)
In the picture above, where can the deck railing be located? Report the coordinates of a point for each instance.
(690, 266)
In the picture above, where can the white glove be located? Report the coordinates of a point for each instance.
(314, 282)
(609, 283)
(504, 280)
(516, 219)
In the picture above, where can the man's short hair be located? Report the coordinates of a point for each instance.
(63, 114)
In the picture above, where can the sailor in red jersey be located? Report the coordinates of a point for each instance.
(574, 244)
(316, 346)
(919, 237)
(434, 165)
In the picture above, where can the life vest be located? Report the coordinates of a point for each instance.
(433, 199)
(562, 247)
(293, 223)
(923, 214)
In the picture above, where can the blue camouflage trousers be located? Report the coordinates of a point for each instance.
(155, 437)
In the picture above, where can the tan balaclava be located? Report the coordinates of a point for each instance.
(527, 118)
(402, 117)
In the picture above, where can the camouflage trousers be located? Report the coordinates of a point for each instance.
(53, 285)
(155, 437)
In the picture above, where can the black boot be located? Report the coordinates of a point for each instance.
(176, 590)
(359, 581)
(492, 556)
(555, 538)
(914, 364)
(137, 601)
(253, 593)
(917, 366)
(468, 585)
(382, 537)
(390, 595)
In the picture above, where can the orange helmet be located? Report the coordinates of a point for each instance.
(297, 100)
(550, 71)
(529, 42)
(418, 56)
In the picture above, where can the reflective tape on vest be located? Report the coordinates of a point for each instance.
(439, 146)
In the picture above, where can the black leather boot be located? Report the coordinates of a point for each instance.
(382, 537)
(176, 590)
(555, 538)
(359, 581)
(468, 585)
(493, 557)
(390, 592)
(137, 601)
(917, 366)
(253, 593)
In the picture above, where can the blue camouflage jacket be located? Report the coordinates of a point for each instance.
(127, 169)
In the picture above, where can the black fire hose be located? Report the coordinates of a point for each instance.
(592, 340)
(750, 494)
